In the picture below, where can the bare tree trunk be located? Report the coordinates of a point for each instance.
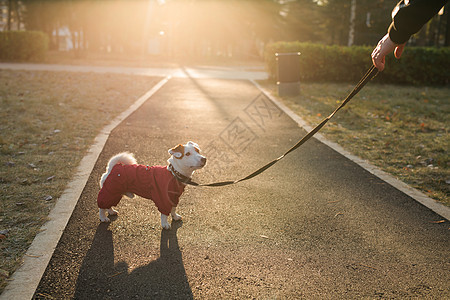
(432, 32)
(351, 33)
(8, 28)
(17, 10)
(447, 27)
(438, 31)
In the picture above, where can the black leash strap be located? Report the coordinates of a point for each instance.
(371, 73)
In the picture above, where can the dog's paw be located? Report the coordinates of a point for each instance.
(112, 212)
(176, 217)
(105, 220)
(102, 215)
(165, 225)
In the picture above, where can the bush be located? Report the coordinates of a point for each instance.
(320, 63)
(23, 45)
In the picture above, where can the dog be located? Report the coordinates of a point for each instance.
(163, 185)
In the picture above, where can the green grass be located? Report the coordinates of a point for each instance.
(48, 120)
(404, 130)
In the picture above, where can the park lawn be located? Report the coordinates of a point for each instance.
(404, 130)
(48, 121)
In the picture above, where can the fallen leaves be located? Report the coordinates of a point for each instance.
(3, 234)
(34, 256)
(4, 273)
(331, 202)
(116, 274)
(438, 222)
(10, 164)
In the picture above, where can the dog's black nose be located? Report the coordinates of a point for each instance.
(203, 160)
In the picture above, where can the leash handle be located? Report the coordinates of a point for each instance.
(370, 74)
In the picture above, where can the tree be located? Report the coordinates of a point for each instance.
(208, 27)
(447, 26)
(351, 33)
(301, 21)
(13, 8)
(371, 20)
(43, 15)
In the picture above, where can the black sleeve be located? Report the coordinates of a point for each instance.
(409, 19)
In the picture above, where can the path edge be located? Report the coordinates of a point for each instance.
(25, 280)
(415, 194)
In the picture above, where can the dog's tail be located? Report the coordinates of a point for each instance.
(121, 158)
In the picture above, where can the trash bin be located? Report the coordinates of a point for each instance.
(288, 73)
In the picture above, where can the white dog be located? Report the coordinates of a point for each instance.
(163, 185)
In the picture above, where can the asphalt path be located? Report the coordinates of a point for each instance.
(315, 225)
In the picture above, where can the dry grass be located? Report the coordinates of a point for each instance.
(404, 130)
(48, 120)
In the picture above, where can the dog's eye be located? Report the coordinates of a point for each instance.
(187, 154)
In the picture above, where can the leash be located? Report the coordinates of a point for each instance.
(370, 74)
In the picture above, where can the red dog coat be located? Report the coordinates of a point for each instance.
(155, 183)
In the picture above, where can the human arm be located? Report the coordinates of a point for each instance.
(407, 20)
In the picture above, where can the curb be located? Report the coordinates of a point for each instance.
(26, 278)
(418, 196)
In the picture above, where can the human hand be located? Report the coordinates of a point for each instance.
(384, 47)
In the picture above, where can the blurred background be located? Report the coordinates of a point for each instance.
(207, 28)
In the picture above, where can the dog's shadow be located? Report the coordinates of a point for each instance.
(163, 278)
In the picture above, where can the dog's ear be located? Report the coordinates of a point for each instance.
(192, 144)
(177, 152)
(197, 148)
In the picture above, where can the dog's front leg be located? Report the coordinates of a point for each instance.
(175, 216)
(165, 222)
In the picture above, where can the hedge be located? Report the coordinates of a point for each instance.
(23, 45)
(321, 63)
